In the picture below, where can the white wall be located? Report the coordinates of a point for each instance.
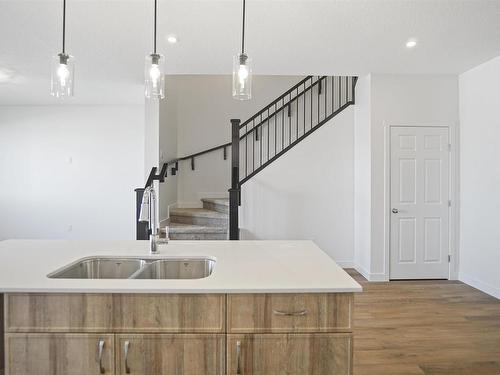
(69, 172)
(362, 176)
(203, 107)
(480, 177)
(430, 100)
(168, 110)
(308, 193)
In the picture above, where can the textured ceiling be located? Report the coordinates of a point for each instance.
(109, 39)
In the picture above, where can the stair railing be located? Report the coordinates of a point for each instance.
(280, 126)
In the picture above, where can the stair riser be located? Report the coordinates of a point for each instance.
(198, 236)
(205, 221)
(216, 207)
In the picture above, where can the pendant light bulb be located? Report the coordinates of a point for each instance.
(154, 76)
(242, 77)
(63, 68)
(242, 70)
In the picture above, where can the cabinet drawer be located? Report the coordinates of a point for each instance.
(48, 354)
(142, 313)
(153, 313)
(186, 354)
(276, 313)
(291, 354)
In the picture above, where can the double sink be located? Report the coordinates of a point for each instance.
(136, 268)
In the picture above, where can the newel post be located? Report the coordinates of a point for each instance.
(234, 192)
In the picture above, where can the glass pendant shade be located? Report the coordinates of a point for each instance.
(63, 75)
(154, 76)
(242, 77)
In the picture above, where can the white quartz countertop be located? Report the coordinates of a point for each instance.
(241, 267)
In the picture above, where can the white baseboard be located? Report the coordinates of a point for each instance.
(345, 263)
(165, 220)
(374, 277)
(481, 285)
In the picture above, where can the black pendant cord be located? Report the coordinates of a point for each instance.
(154, 36)
(64, 28)
(243, 31)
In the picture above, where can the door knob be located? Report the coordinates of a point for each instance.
(395, 211)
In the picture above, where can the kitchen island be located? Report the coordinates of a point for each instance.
(266, 307)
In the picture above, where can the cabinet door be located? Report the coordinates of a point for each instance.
(59, 354)
(164, 354)
(291, 354)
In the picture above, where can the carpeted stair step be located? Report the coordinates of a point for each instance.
(199, 216)
(216, 204)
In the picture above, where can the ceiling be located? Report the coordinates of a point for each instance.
(109, 39)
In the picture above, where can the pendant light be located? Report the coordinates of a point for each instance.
(242, 69)
(63, 67)
(154, 73)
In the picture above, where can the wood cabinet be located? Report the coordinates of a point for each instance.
(59, 354)
(171, 354)
(182, 334)
(291, 354)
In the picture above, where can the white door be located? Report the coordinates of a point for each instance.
(419, 245)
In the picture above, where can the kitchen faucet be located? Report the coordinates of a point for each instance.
(148, 215)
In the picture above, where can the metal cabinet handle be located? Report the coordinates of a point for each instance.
(292, 313)
(238, 357)
(126, 347)
(100, 351)
(395, 210)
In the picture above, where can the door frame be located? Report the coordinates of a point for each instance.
(454, 194)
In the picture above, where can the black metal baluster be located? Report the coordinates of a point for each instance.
(289, 119)
(333, 94)
(326, 94)
(319, 94)
(297, 112)
(268, 125)
(311, 95)
(275, 130)
(304, 103)
(282, 124)
(260, 144)
(246, 150)
(340, 92)
(253, 147)
(346, 89)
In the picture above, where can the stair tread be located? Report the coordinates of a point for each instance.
(198, 212)
(190, 228)
(221, 201)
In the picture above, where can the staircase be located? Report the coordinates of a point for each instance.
(207, 223)
(255, 144)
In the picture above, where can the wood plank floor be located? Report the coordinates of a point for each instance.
(425, 328)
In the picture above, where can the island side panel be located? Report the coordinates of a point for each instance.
(2, 336)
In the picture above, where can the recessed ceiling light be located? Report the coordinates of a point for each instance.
(411, 43)
(172, 39)
(6, 75)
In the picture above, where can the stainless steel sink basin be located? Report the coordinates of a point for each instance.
(136, 268)
(100, 268)
(177, 269)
